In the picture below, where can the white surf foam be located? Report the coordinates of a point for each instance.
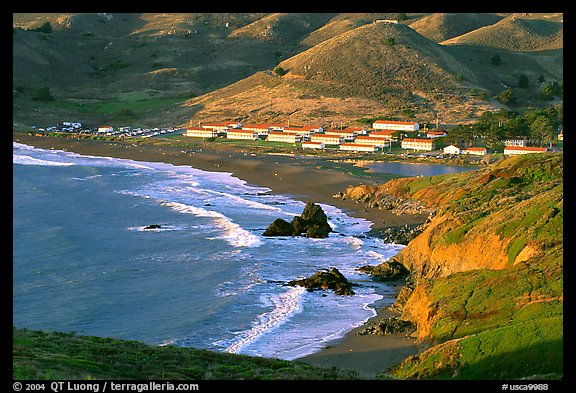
(234, 234)
(26, 160)
(285, 305)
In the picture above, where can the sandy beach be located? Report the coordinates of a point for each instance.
(302, 180)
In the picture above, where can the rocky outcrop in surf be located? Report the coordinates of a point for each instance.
(312, 223)
(326, 279)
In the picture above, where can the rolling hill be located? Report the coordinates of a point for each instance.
(440, 27)
(159, 69)
(516, 32)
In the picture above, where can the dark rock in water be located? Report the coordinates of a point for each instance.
(326, 279)
(313, 223)
(279, 227)
(392, 325)
(318, 232)
(153, 226)
(389, 270)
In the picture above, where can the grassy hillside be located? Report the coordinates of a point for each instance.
(517, 32)
(176, 68)
(375, 69)
(52, 355)
(487, 272)
(442, 26)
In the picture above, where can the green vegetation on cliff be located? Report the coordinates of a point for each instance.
(488, 298)
(51, 355)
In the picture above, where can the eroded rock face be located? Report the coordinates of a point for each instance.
(392, 325)
(326, 279)
(386, 271)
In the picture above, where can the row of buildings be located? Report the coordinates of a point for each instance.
(381, 135)
(358, 139)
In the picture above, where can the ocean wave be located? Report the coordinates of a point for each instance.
(248, 203)
(234, 234)
(27, 160)
(285, 305)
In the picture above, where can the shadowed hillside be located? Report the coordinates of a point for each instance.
(517, 32)
(182, 68)
(378, 68)
(440, 27)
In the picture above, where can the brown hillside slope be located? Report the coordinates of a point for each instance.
(440, 27)
(516, 33)
(377, 68)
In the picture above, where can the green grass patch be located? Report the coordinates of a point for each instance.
(49, 355)
(114, 109)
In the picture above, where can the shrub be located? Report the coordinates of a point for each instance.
(279, 71)
(496, 60)
(506, 96)
(43, 94)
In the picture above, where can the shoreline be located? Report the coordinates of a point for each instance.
(301, 180)
(369, 355)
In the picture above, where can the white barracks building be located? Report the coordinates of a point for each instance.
(395, 125)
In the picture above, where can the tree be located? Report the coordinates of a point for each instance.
(522, 81)
(390, 41)
(43, 94)
(279, 71)
(506, 96)
(541, 129)
(496, 59)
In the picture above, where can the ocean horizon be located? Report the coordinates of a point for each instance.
(84, 261)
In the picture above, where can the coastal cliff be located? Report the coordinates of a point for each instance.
(486, 273)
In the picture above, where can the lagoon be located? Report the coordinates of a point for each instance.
(412, 169)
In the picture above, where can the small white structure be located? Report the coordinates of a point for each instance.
(313, 145)
(395, 125)
(72, 124)
(372, 140)
(357, 130)
(436, 134)
(200, 132)
(515, 142)
(105, 129)
(242, 134)
(515, 150)
(451, 150)
(358, 147)
(345, 134)
(327, 139)
(418, 144)
(282, 136)
(475, 151)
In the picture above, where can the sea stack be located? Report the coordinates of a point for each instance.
(312, 223)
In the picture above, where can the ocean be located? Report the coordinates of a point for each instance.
(83, 261)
